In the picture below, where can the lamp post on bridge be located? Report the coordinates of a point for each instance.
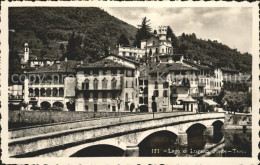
(118, 106)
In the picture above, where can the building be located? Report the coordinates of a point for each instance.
(170, 84)
(109, 84)
(51, 87)
(28, 62)
(158, 45)
(130, 52)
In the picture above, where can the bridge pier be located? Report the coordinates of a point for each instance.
(182, 138)
(209, 131)
(132, 151)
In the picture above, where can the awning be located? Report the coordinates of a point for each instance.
(210, 102)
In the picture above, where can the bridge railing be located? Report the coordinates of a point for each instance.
(30, 118)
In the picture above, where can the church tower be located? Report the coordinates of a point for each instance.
(26, 53)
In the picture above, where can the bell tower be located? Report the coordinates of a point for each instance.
(26, 53)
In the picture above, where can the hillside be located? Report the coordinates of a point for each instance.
(46, 29)
(213, 52)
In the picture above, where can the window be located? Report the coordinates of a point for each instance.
(95, 95)
(165, 93)
(61, 92)
(153, 42)
(86, 95)
(141, 100)
(95, 72)
(145, 82)
(104, 95)
(145, 90)
(124, 54)
(126, 97)
(104, 72)
(141, 90)
(156, 85)
(104, 83)
(54, 92)
(141, 82)
(156, 93)
(113, 95)
(114, 72)
(126, 84)
(95, 83)
(165, 85)
(113, 83)
(85, 84)
(156, 50)
(146, 100)
(162, 50)
(87, 73)
(132, 84)
(130, 54)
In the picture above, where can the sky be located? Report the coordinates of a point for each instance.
(229, 25)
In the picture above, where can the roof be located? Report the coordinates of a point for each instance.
(65, 67)
(126, 59)
(197, 65)
(103, 63)
(226, 69)
(164, 68)
(189, 99)
(170, 55)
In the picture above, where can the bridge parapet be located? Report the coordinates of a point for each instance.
(33, 145)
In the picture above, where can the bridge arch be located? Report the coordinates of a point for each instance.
(189, 126)
(98, 150)
(107, 142)
(147, 133)
(218, 123)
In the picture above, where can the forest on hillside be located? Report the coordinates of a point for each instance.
(88, 33)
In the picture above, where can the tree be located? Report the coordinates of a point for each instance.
(144, 32)
(74, 49)
(14, 65)
(237, 101)
(62, 48)
(123, 40)
(172, 36)
(106, 49)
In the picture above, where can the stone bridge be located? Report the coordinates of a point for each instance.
(63, 141)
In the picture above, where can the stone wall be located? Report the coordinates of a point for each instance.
(44, 117)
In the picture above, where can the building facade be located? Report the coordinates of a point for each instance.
(51, 87)
(110, 84)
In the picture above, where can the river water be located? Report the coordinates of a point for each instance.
(224, 143)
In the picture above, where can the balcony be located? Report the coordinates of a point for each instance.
(108, 88)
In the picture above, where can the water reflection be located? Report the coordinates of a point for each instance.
(224, 143)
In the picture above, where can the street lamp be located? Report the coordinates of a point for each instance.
(118, 106)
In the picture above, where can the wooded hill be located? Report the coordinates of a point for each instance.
(47, 30)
